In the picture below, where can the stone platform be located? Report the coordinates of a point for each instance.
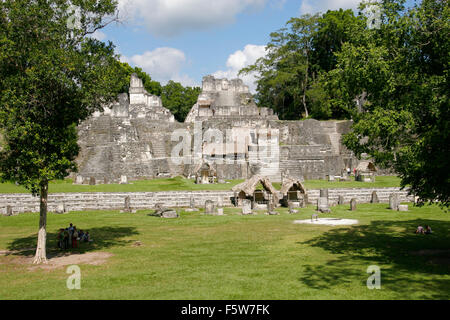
(22, 203)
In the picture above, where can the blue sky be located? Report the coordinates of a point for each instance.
(184, 40)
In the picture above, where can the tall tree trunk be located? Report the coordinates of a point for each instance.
(305, 88)
(41, 254)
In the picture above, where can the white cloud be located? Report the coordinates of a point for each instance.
(99, 35)
(162, 64)
(172, 17)
(241, 59)
(314, 6)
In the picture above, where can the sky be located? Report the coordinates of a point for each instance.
(184, 40)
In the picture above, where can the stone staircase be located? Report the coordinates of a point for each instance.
(159, 148)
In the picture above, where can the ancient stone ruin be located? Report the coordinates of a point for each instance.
(137, 138)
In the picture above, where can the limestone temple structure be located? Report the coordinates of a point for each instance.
(137, 138)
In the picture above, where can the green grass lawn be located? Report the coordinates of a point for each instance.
(182, 184)
(238, 257)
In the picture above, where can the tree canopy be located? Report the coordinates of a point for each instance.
(53, 75)
(178, 99)
(290, 75)
(390, 78)
(402, 70)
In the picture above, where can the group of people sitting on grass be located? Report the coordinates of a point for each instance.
(69, 237)
(422, 230)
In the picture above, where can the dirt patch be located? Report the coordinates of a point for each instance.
(91, 258)
(60, 260)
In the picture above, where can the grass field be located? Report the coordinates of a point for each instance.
(182, 184)
(237, 257)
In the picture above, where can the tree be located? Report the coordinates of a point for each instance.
(52, 76)
(178, 99)
(402, 69)
(291, 76)
(152, 87)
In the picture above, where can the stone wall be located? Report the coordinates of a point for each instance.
(21, 203)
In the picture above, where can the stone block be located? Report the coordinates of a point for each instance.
(403, 207)
(60, 208)
(353, 204)
(79, 180)
(322, 205)
(210, 208)
(246, 207)
(374, 198)
(393, 202)
(292, 206)
(169, 214)
(341, 200)
(9, 211)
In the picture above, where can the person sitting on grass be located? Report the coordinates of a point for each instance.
(61, 239)
(75, 238)
(80, 235)
(87, 237)
(66, 239)
(428, 230)
(420, 230)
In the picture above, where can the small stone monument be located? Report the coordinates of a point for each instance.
(166, 213)
(403, 207)
(220, 202)
(271, 208)
(324, 193)
(127, 206)
(169, 214)
(92, 181)
(341, 200)
(246, 207)
(219, 210)
(9, 211)
(393, 202)
(315, 217)
(330, 178)
(123, 180)
(292, 209)
(374, 198)
(322, 205)
(60, 208)
(210, 207)
(353, 204)
(192, 207)
(79, 180)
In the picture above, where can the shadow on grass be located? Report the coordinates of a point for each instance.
(405, 259)
(103, 238)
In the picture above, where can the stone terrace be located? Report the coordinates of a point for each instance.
(22, 203)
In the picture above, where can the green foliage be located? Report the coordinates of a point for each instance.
(51, 77)
(402, 70)
(152, 87)
(291, 78)
(178, 99)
